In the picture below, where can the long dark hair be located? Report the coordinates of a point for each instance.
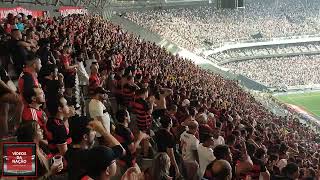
(27, 131)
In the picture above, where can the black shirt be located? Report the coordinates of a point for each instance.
(164, 140)
(125, 137)
(76, 159)
(57, 133)
(19, 55)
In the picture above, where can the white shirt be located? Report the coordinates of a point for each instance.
(205, 157)
(219, 141)
(96, 108)
(82, 74)
(189, 143)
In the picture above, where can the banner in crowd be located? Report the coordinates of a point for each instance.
(68, 10)
(16, 10)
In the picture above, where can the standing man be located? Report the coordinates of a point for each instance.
(29, 77)
(98, 111)
(143, 109)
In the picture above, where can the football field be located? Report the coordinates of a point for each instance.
(309, 102)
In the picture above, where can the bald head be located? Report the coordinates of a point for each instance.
(221, 169)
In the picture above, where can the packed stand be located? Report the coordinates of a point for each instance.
(194, 28)
(274, 50)
(280, 72)
(140, 103)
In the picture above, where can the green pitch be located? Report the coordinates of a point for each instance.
(310, 102)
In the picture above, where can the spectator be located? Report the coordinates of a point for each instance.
(160, 167)
(8, 96)
(221, 169)
(58, 131)
(189, 143)
(166, 143)
(30, 131)
(69, 69)
(259, 167)
(19, 50)
(205, 153)
(124, 135)
(98, 111)
(33, 111)
(291, 171)
(101, 162)
(143, 110)
(29, 78)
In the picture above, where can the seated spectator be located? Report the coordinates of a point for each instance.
(57, 129)
(30, 131)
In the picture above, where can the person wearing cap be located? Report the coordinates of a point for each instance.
(101, 162)
(20, 24)
(205, 153)
(98, 111)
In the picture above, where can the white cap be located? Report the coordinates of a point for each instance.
(185, 102)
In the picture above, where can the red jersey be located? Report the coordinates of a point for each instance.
(94, 81)
(66, 59)
(30, 113)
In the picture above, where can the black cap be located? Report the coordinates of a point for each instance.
(78, 128)
(100, 90)
(102, 157)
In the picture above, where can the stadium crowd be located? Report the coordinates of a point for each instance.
(281, 71)
(194, 28)
(254, 52)
(192, 124)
